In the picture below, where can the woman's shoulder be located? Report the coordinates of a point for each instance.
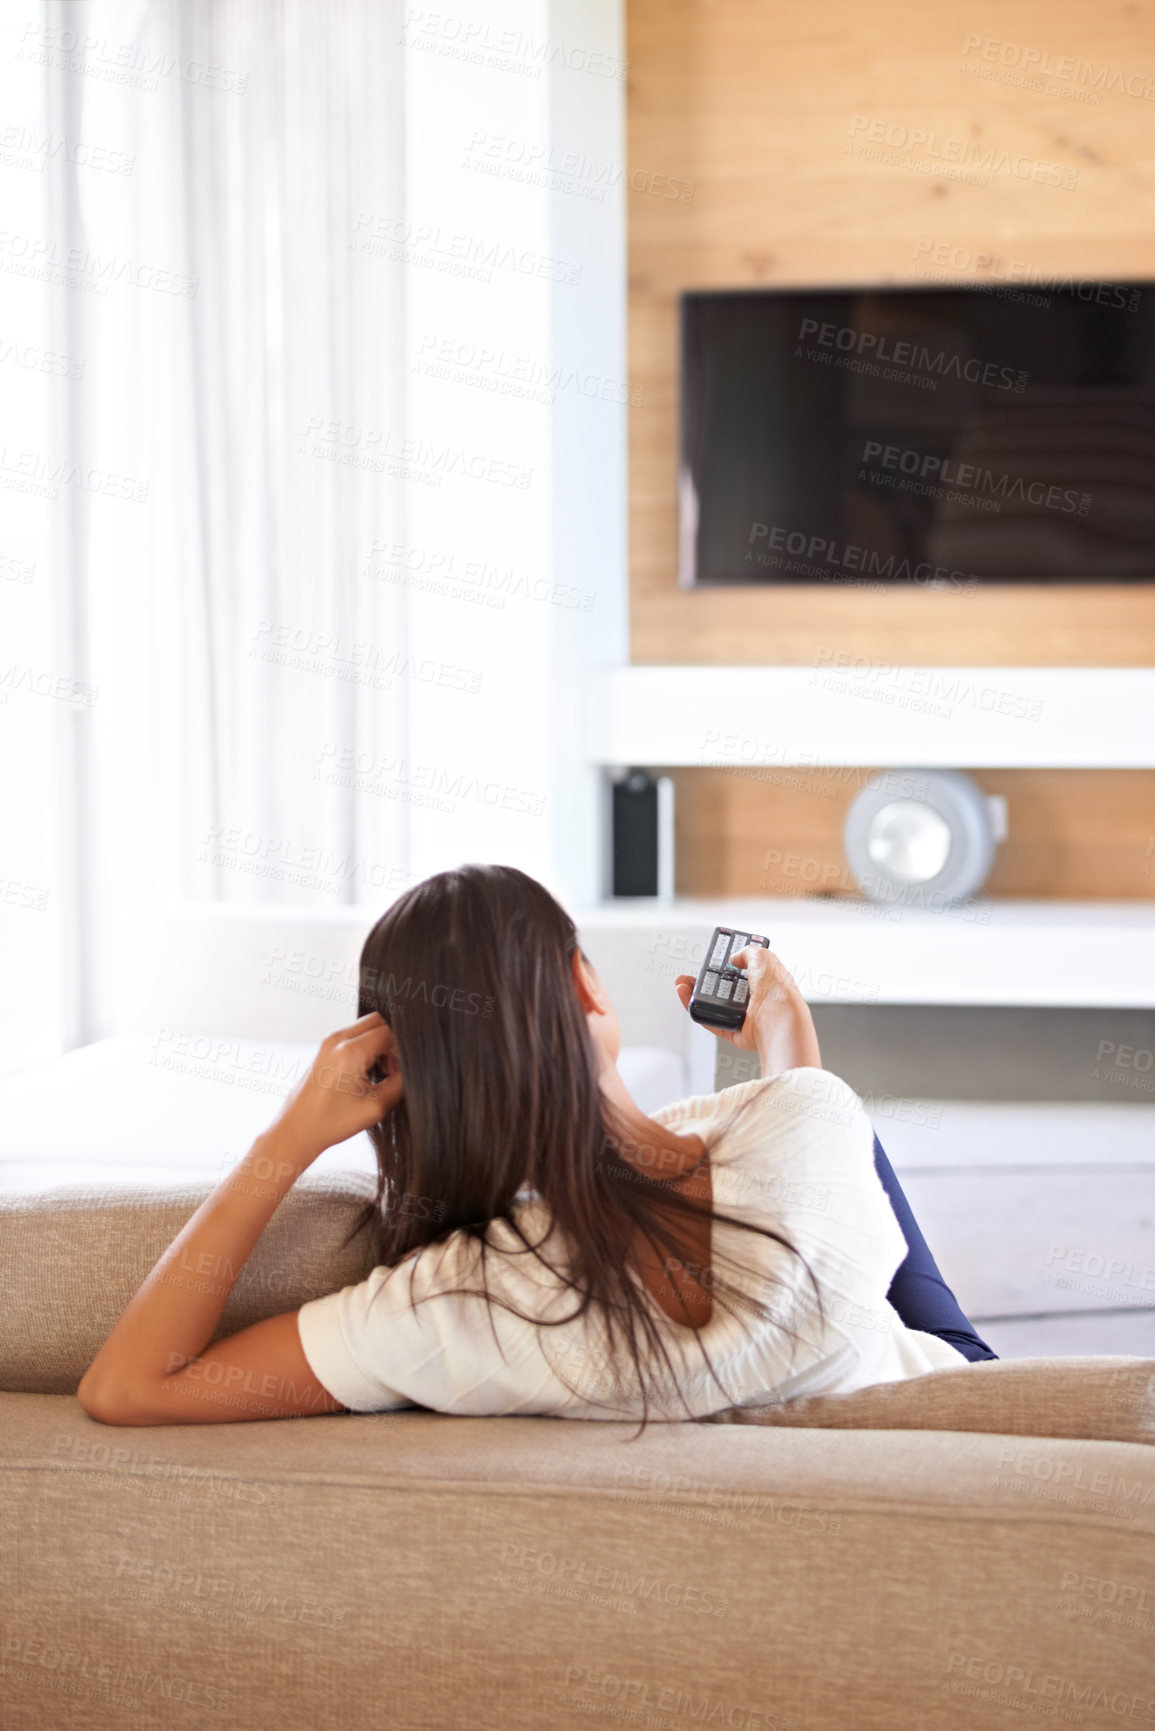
(807, 1094)
(459, 1269)
(467, 1263)
(794, 1136)
(798, 1149)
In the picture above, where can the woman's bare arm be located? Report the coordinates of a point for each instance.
(778, 1021)
(157, 1366)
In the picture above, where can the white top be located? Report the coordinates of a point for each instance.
(801, 1160)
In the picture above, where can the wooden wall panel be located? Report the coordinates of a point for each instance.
(750, 105)
(770, 831)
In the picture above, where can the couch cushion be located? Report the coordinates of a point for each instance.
(74, 1256)
(441, 1573)
(1098, 1399)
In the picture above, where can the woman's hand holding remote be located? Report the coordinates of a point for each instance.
(778, 1024)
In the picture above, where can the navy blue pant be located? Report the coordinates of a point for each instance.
(918, 1291)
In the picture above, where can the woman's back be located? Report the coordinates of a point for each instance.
(798, 1158)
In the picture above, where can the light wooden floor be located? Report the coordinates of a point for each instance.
(1046, 1259)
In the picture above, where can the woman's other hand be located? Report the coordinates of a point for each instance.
(338, 1098)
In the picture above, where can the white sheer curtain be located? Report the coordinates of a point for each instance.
(40, 705)
(245, 381)
(305, 605)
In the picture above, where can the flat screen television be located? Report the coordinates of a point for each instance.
(943, 437)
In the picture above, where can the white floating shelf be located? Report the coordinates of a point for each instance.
(1041, 954)
(866, 713)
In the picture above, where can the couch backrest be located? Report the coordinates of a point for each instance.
(74, 1257)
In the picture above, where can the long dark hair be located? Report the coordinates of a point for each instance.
(473, 971)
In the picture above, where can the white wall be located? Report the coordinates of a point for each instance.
(516, 288)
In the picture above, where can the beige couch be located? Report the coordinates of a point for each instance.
(976, 1547)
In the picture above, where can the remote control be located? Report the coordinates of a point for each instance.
(721, 992)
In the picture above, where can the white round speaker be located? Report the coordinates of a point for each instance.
(923, 837)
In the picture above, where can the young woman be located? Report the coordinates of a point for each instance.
(543, 1245)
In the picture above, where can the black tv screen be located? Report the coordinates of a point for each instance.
(947, 437)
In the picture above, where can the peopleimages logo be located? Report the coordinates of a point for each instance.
(575, 1572)
(848, 556)
(931, 682)
(1022, 1682)
(484, 43)
(133, 64)
(1012, 272)
(915, 357)
(397, 994)
(96, 1675)
(959, 155)
(1034, 64)
(972, 478)
(23, 146)
(639, 1701)
(1121, 1595)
